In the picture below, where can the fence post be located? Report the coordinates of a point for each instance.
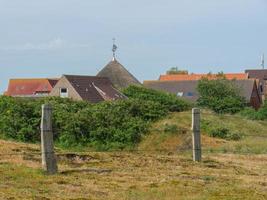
(196, 134)
(49, 162)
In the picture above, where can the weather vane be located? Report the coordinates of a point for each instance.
(114, 48)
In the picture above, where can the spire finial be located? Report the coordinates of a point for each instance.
(262, 61)
(114, 48)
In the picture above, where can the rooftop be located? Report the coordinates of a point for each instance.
(93, 88)
(30, 87)
(184, 77)
(118, 74)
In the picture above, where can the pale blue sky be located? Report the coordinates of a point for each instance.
(47, 38)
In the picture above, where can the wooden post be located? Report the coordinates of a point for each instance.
(49, 162)
(196, 134)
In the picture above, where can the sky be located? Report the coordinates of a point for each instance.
(53, 37)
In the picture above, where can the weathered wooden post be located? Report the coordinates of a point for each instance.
(49, 162)
(196, 134)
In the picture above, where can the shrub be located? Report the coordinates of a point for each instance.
(171, 128)
(252, 114)
(220, 95)
(19, 119)
(108, 123)
(169, 101)
(116, 124)
(224, 133)
(218, 131)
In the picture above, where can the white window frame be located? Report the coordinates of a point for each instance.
(180, 94)
(64, 94)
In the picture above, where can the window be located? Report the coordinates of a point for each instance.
(261, 88)
(190, 94)
(64, 92)
(180, 94)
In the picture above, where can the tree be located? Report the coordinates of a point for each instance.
(175, 70)
(220, 95)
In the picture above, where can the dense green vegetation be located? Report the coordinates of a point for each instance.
(220, 95)
(253, 114)
(219, 130)
(169, 101)
(106, 125)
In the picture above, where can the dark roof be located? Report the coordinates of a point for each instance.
(246, 87)
(257, 73)
(118, 75)
(53, 82)
(175, 87)
(94, 89)
(188, 89)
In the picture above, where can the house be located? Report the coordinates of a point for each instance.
(90, 88)
(260, 74)
(37, 87)
(119, 76)
(188, 89)
(191, 77)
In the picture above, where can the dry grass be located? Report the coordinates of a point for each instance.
(122, 175)
(168, 174)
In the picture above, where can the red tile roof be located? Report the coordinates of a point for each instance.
(29, 87)
(191, 77)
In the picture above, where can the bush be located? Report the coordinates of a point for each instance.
(116, 124)
(252, 114)
(219, 131)
(19, 119)
(224, 133)
(220, 95)
(169, 101)
(171, 128)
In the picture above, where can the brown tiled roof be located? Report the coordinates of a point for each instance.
(257, 73)
(188, 89)
(261, 75)
(53, 81)
(191, 77)
(94, 89)
(118, 75)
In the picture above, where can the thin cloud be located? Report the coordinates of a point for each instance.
(57, 43)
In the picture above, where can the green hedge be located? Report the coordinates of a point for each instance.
(115, 124)
(169, 101)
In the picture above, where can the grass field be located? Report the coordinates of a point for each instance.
(162, 167)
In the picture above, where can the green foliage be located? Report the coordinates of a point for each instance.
(171, 128)
(219, 131)
(220, 95)
(106, 125)
(18, 119)
(224, 133)
(175, 70)
(251, 113)
(169, 101)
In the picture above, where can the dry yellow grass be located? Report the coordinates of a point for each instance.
(147, 174)
(131, 176)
